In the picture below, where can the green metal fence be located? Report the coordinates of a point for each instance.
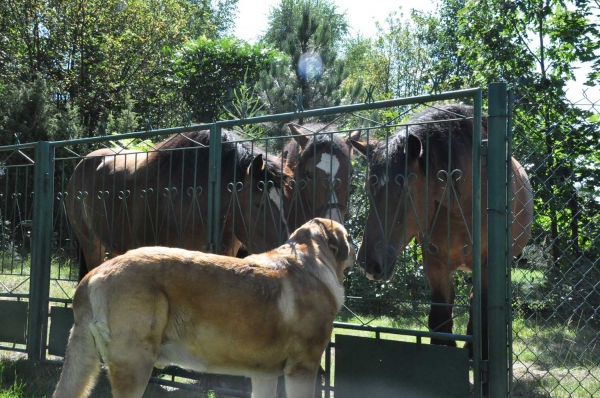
(393, 310)
(555, 284)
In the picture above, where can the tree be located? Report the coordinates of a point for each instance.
(534, 45)
(94, 53)
(27, 113)
(311, 33)
(208, 72)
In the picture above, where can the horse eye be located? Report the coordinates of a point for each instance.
(309, 175)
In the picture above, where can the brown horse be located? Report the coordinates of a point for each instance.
(122, 199)
(420, 185)
(320, 162)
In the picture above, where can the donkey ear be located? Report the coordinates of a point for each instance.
(336, 238)
(300, 138)
(414, 147)
(363, 147)
(257, 167)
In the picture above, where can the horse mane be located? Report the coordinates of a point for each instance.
(437, 135)
(317, 142)
(175, 153)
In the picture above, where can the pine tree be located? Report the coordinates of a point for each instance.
(311, 33)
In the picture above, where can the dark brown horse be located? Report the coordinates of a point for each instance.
(420, 185)
(122, 199)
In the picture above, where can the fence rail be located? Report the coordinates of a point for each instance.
(550, 292)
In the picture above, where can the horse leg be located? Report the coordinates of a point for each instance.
(91, 249)
(232, 247)
(439, 278)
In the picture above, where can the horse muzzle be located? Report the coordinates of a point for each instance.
(378, 264)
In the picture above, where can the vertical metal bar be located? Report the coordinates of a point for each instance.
(509, 199)
(497, 244)
(41, 249)
(477, 244)
(214, 187)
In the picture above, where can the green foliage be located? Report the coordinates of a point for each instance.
(95, 52)
(127, 120)
(310, 32)
(27, 109)
(209, 71)
(398, 61)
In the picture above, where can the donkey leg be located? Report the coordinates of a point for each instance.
(442, 298)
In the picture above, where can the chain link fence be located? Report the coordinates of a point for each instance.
(556, 281)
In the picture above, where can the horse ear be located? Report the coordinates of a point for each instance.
(414, 147)
(257, 166)
(300, 138)
(354, 136)
(364, 147)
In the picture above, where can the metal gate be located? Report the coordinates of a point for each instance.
(40, 319)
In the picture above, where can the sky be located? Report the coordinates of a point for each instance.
(362, 15)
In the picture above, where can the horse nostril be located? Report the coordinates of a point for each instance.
(375, 269)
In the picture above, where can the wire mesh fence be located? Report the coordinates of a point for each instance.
(556, 282)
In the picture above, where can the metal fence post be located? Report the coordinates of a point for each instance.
(498, 257)
(214, 187)
(43, 188)
(477, 355)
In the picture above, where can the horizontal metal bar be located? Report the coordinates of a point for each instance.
(404, 332)
(272, 118)
(394, 300)
(353, 108)
(60, 300)
(17, 147)
(8, 348)
(14, 295)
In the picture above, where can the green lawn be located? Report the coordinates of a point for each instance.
(560, 361)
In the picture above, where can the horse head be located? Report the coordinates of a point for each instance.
(320, 161)
(396, 187)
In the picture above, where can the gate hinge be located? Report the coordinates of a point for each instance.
(484, 152)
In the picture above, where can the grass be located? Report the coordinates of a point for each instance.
(558, 361)
(549, 360)
(20, 378)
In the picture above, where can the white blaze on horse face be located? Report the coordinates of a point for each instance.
(329, 164)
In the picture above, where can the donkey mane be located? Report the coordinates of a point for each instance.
(437, 135)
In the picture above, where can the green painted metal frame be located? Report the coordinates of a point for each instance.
(395, 368)
(43, 200)
(499, 236)
(39, 289)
